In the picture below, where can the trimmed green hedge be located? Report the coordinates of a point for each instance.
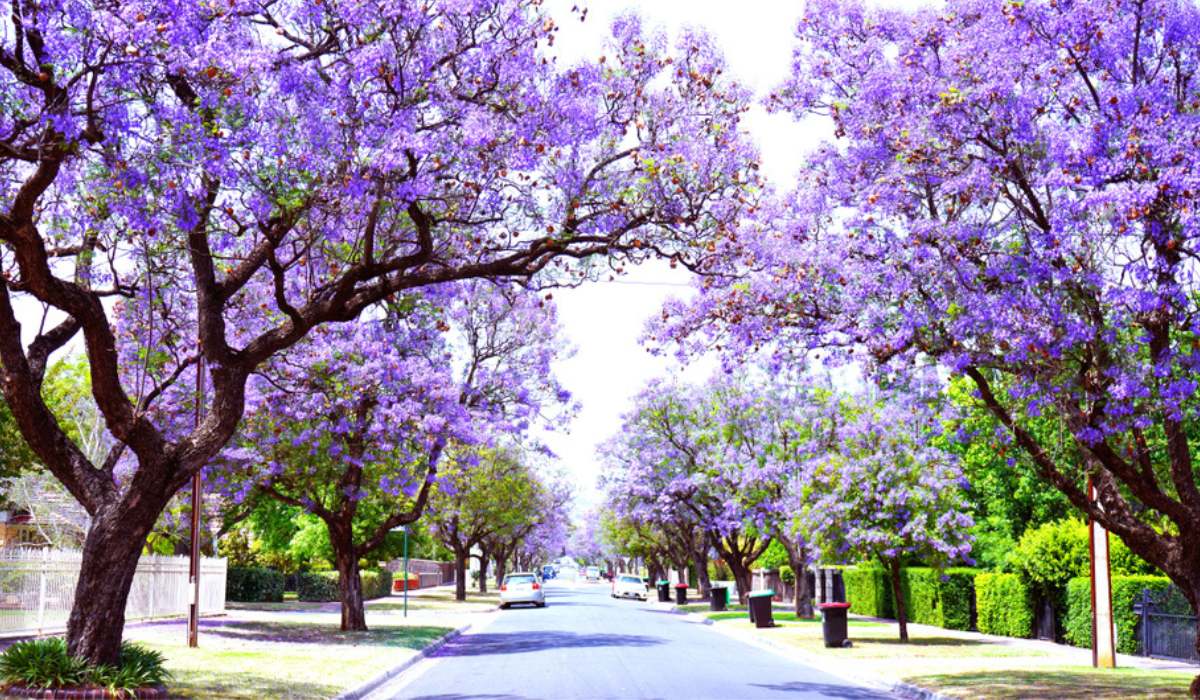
(1003, 605)
(1126, 590)
(322, 586)
(942, 599)
(253, 584)
(868, 591)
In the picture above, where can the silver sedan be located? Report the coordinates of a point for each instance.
(522, 588)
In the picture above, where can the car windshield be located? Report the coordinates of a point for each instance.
(630, 579)
(519, 579)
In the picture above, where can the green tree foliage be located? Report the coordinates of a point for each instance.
(480, 491)
(1050, 555)
(1006, 497)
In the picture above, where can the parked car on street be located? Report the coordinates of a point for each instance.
(522, 587)
(625, 586)
(547, 572)
(592, 573)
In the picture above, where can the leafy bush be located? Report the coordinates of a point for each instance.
(1003, 605)
(1126, 591)
(377, 583)
(317, 586)
(254, 585)
(46, 663)
(1050, 555)
(322, 586)
(868, 590)
(940, 598)
(787, 575)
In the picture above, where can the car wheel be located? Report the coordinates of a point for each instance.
(504, 606)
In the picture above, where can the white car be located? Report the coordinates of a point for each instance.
(593, 573)
(625, 586)
(522, 588)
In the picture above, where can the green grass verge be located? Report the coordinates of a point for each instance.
(244, 659)
(787, 617)
(1064, 682)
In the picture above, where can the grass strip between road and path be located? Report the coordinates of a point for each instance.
(959, 664)
(1062, 682)
(244, 659)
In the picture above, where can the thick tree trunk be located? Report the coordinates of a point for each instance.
(742, 576)
(501, 566)
(460, 575)
(484, 560)
(354, 616)
(110, 558)
(1192, 594)
(700, 560)
(798, 561)
(893, 567)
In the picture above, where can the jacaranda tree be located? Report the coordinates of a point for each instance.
(239, 174)
(351, 422)
(1012, 194)
(883, 492)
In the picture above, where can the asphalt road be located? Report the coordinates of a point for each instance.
(585, 644)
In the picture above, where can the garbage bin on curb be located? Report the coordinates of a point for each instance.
(681, 594)
(761, 613)
(718, 598)
(664, 591)
(834, 625)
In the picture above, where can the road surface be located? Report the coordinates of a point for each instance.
(585, 644)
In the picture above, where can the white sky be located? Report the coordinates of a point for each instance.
(605, 320)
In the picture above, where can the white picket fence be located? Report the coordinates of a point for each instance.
(37, 589)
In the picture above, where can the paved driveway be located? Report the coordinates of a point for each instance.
(585, 644)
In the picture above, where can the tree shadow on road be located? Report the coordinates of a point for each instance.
(828, 690)
(526, 642)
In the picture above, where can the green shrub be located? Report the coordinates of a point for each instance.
(45, 663)
(377, 583)
(787, 575)
(1003, 605)
(317, 586)
(322, 586)
(253, 585)
(1053, 553)
(868, 590)
(939, 598)
(1126, 591)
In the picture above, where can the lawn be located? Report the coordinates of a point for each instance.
(785, 617)
(281, 659)
(1065, 682)
(965, 665)
(429, 599)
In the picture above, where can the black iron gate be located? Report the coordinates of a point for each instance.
(1166, 628)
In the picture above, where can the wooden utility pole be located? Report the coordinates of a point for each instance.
(1104, 653)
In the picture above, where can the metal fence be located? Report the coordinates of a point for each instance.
(37, 589)
(1167, 628)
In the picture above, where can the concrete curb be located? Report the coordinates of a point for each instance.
(377, 682)
(834, 667)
